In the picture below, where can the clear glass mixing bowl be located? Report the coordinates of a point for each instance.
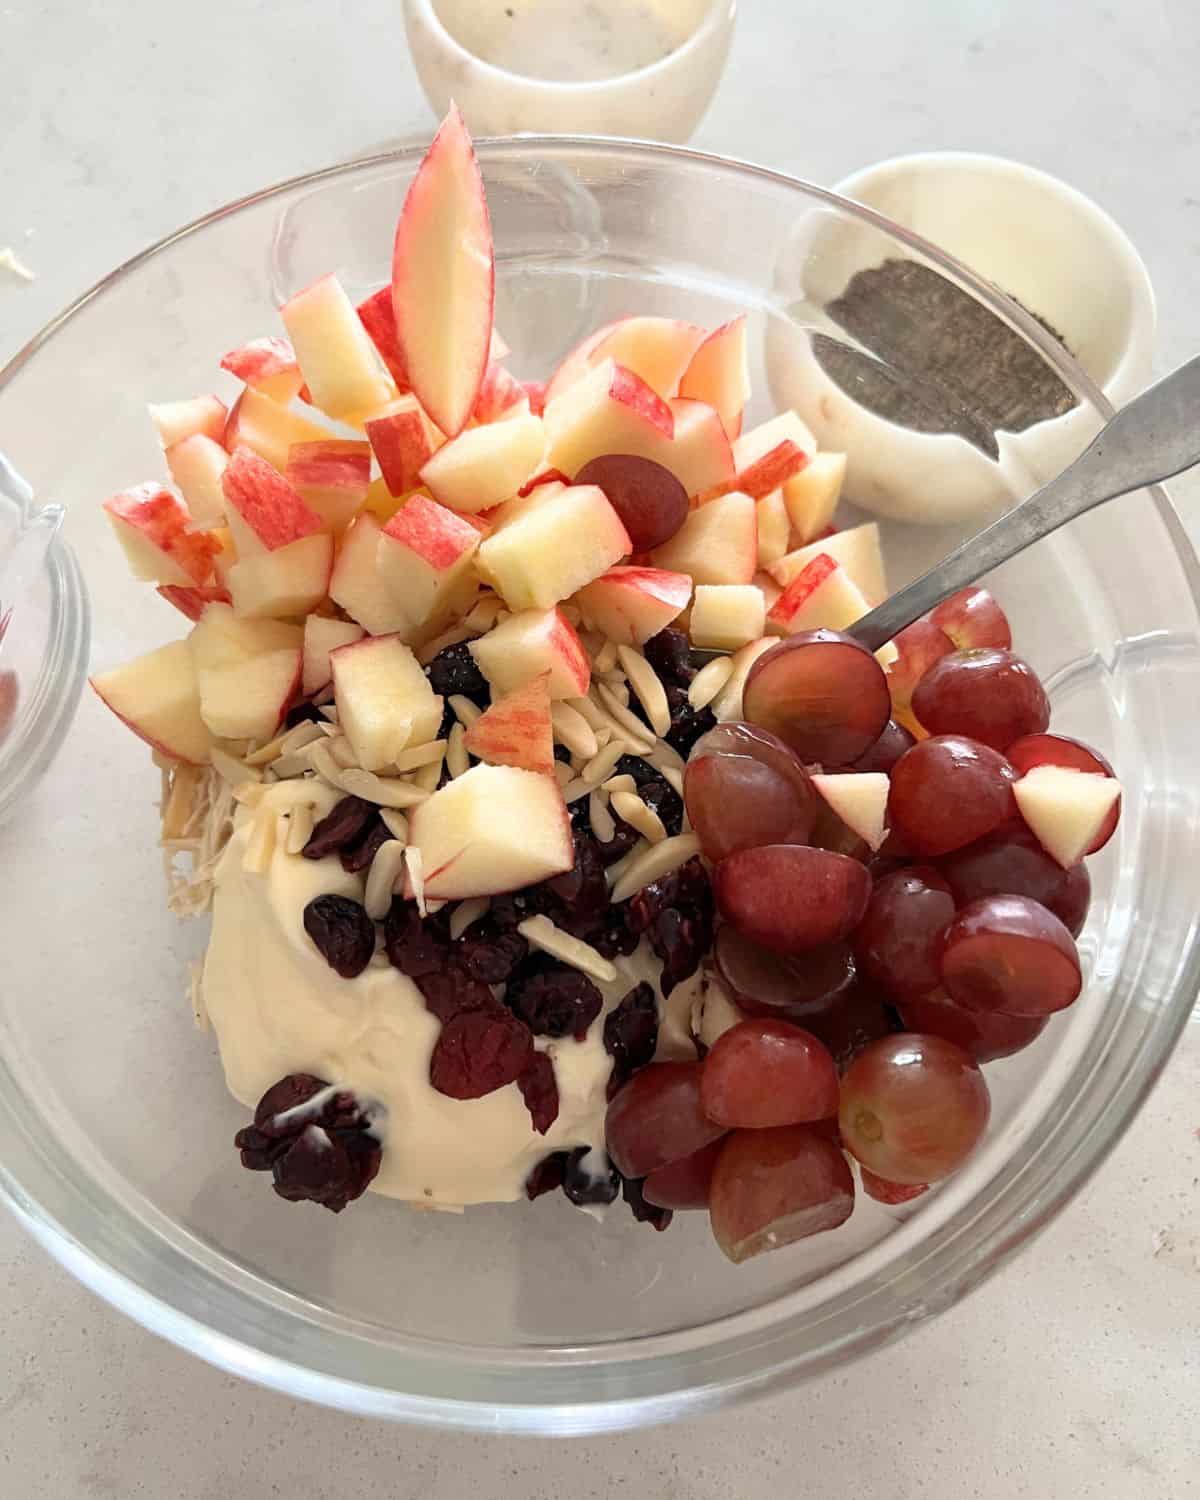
(115, 1127)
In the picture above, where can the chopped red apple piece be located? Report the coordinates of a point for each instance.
(552, 543)
(424, 551)
(718, 543)
(576, 364)
(771, 454)
(285, 582)
(822, 594)
(718, 374)
(269, 365)
(270, 430)
(443, 278)
(492, 829)
(176, 420)
(357, 583)
(630, 604)
(382, 504)
(331, 477)
(378, 316)
(657, 350)
(534, 643)
(484, 466)
(515, 730)
(158, 698)
(859, 798)
(384, 700)
(336, 356)
(726, 615)
(610, 410)
(812, 495)
(247, 672)
(857, 550)
(1066, 809)
(699, 453)
(404, 440)
(263, 509)
(321, 636)
(500, 395)
(774, 529)
(193, 600)
(196, 464)
(154, 530)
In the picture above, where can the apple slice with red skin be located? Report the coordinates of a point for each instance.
(331, 477)
(516, 730)
(269, 365)
(629, 604)
(154, 530)
(176, 420)
(534, 643)
(719, 376)
(157, 696)
(263, 509)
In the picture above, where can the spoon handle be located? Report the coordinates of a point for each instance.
(1156, 436)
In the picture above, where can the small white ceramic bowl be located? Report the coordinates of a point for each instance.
(664, 100)
(1044, 244)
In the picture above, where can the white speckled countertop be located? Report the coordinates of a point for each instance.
(1075, 1373)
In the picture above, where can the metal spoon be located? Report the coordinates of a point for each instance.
(1153, 438)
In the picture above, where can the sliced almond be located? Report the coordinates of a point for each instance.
(419, 755)
(652, 863)
(386, 869)
(601, 820)
(300, 827)
(624, 783)
(630, 807)
(602, 764)
(572, 730)
(416, 875)
(647, 684)
(464, 710)
(605, 659)
(543, 934)
(457, 758)
(709, 681)
(395, 822)
(466, 913)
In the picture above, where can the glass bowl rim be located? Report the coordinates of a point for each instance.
(657, 1371)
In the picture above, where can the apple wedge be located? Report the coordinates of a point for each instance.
(158, 698)
(263, 510)
(269, 365)
(534, 643)
(378, 317)
(699, 453)
(575, 364)
(247, 672)
(812, 495)
(443, 278)
(193, 600)
(334, 351)
(404, 440)
(857, 550)
(821, 595)
(516, 730)
(284, 583)
(774, 529)
(321, 636)
(424, 551)
(357, 583)
(859, 798)
(718, 543)
(267, 428)
(484, 466)
(384, 700)
(609, 410)
(493, 829)
(176, 420)
(629, 604)
(657, 350)
(727, 615)
(772, 453)
(550, 544)
(719, 376)
(500, 395)
(154, 530)
(331, 477)
(1066, 809)
(196, 464)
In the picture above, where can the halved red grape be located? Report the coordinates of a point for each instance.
(762, 1073)
(1009, 954)
(773, 1187)
(735, 802)
(1061, 750)
(889, 1192)
(886, 750)
(765, 983)
(735, 737)
(857, 1020)
(685, 1183)
(987, 694)
(1012, 862)
(830, 832)
(650, 501)
(656, 1119)
(898, 942)
(918, 647)
(948, 791)
(986, 1035)
(790, 897)
(913, 1107)
(973, 618)
(822, 693)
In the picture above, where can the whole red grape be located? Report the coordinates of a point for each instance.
(947, 792)
(988, 694)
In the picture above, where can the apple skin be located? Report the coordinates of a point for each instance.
(719, 376)
(631, 603)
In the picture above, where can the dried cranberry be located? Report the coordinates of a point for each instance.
(661, 797)
(316, 1142)
(343, 826)
(539, 1089)
(453, 670)
(686, 887)
(680, 940)
(343, 933)
(415, 945)
(303, 712)
(669, 654)
(488, 953)
(478, 1052)
(361, 856)
(552, 999)
(631, 1034)
(583, 1185)
(449, 992)
(625, 836)
(643, 1212)
(687, 723)
(510, 910)
(582, 888)
(546, 1176)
